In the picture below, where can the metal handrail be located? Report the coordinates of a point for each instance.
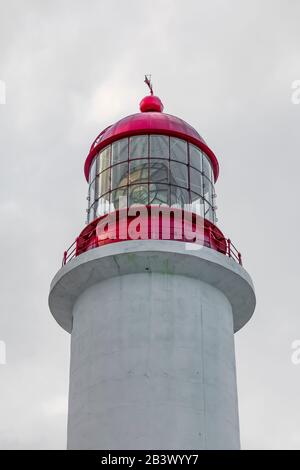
(70, 252)
(231, 251)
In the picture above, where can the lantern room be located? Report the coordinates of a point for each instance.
(151, 158)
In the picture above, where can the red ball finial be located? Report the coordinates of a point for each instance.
(151, 103)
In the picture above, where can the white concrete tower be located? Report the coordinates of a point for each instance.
(152, 293)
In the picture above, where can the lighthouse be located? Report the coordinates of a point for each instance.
(152, 292)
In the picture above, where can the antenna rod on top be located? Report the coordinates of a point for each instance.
(149, 83)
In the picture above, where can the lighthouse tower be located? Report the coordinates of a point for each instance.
(152, 293)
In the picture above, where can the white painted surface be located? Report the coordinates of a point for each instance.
(171, 257)
(152, 366)
(152, 349)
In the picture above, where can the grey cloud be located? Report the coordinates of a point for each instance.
(72, 68)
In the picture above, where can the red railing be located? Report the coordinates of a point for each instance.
(70, 253)
(233, 252)
(212, 238)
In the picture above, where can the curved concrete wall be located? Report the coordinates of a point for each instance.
(152, 365)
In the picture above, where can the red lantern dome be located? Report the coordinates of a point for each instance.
(151, 120)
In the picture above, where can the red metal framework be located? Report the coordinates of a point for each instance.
(211, 236)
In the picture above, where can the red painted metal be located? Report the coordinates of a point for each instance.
(229, 247)
(211, 236)
(150, 123)
(151, 103)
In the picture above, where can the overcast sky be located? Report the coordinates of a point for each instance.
(73, 67)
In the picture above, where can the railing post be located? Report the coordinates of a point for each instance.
(240, 258)
(65, 257)
(209, 236)
(229, 247)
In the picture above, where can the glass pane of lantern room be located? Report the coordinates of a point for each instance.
(138, 146)
(179, 197)
(102, 206)
(208, 211)
(208, 190)
(214, 215)
(119, 175)
(206, 168)
(92, 193)
(97, 187)
(104, 182)
(178, 150)
(159, 171)
(104, 159)
(158, 194)
(93, 169)
(91, 214)
(195, 157)
(119, 151)
(159, 146)
(197, 204)
(178, 174)
(118, 199)
(196, 181)
(138, 194)
(138, 171)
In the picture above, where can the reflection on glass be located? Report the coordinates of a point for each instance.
(206, 168)
(158, 194)
(196, 181)
(115, 183)
(90, 215)
(119, 175)
(178, 150)
(119, 198)
(97, 187)
(138, 194)
(104, 182)
(195, 157)
(119, 151)
(159, 171)
(102, 206)
(138, 146)
(93, 170)
(179, 197)
(208, 190)
(138, 171)
(104, 159)
(208, 212)
(178, 174)
(92, 193)
(197, 204)
(159, 146)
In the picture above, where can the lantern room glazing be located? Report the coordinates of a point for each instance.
(151, 169)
